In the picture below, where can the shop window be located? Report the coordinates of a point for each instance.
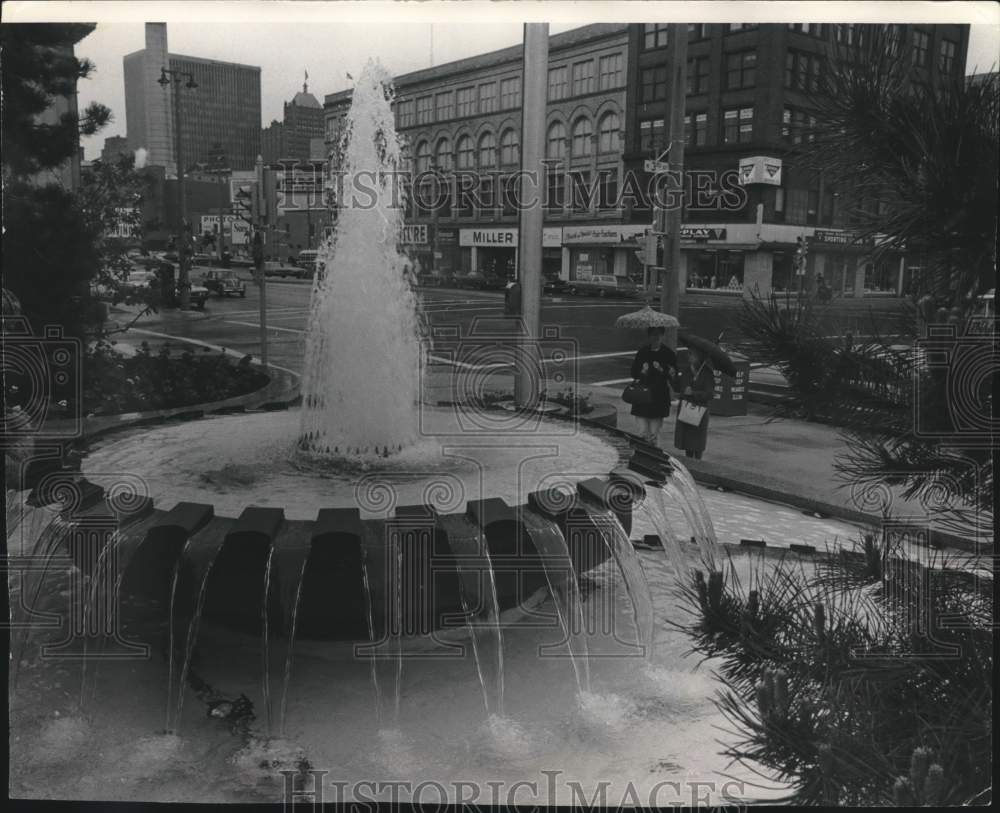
(655, 35)
(583, 133)
(555, 146)
(737, 125)
(487, 151)
(611, 72)
(558, 83)
(510, 149)
(741, 70)
(608, 133)
(881, 277)
(487, 97)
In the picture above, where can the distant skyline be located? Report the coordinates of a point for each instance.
(287, 39)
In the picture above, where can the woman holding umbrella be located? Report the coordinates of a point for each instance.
(654, 366)
(697, 386)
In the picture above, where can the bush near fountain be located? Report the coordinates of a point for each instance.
(868, 682)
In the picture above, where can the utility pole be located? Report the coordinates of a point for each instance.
(668, 219)
(260, 215)
(220, 168)
(534, 89)
(172, 77)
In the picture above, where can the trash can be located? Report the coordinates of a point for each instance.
(512, 299)
(731, 391)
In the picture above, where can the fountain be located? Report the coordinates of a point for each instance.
(371, 516)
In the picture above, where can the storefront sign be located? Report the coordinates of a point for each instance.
(210, 224)
(601, 235)
(447, 237)
(414, 235)
(839, 238)
(699, 233)
(488, 238)
(760, 169)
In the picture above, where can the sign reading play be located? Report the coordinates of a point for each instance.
(760, 169)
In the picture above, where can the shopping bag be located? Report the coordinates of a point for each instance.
(690, 413)
(637, 394)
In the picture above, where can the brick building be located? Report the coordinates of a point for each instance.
(749, 94)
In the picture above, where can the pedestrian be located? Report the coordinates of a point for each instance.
(696, 384)
(655, 366)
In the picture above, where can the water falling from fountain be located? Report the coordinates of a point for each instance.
(691, 496)
(362, 372)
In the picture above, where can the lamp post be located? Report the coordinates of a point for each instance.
(219, 159)
(175, 78)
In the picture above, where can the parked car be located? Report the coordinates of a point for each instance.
(273, 268)
(309, 260)
(224, 284)
(240, 262)
(554, 285)
(603, 285)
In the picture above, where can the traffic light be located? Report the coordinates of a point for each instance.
(647, 255)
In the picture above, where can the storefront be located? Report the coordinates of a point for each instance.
(715, 258)
(602, 250)
(493, 251)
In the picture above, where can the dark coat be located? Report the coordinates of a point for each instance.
(660, 368)
(695, 438)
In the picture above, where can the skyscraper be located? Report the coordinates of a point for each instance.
(303, 121)
(223, 110)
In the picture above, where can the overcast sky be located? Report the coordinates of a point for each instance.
(331, 39)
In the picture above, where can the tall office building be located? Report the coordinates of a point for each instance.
(290, 138)
(223, 110)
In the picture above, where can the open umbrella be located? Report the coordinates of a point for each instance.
(720, 359)
(646, 318)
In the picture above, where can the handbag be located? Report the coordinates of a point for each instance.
(637, 394)
(690, 413)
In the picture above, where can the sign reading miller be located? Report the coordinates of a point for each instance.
(488, 237)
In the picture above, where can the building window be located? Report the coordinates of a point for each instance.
(466, 101)
(611, 72)
(742, 26)
(655, 35)
(813, 29)
(802, 71)
(556, 142)
(653, 84)
(696, 129)
(779, 204)
(487, 151)
(697, 77)
(510, 93)
(466, 153)
(737, 125)
(844, 33)
(442, 155)
(510, 148)
(556, 192)
(423, 156)
(583, 77)
(581, 191)
(921, 48)
(607, 133)
(443, 106)
(741, 69)
(797, 126)
(425, 110)
(651, 135)
(558, 83)
(487, 97)
(607, 192)
(946, 59)
(404, 111)
(697, 31)
(583, 132)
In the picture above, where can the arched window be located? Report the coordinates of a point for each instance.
(583, 132)
(555, 146)
(442, 155)
(466, 153)
(423, 156)
(607, 133)
(487, 151)
(510, 148)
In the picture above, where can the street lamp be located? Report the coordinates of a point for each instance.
(168, 77)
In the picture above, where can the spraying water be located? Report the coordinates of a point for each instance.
(361, 380)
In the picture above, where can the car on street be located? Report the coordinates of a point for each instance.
(274, 268)
(552, 284)
(224, 284)
(603, 285)
(482, 281)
